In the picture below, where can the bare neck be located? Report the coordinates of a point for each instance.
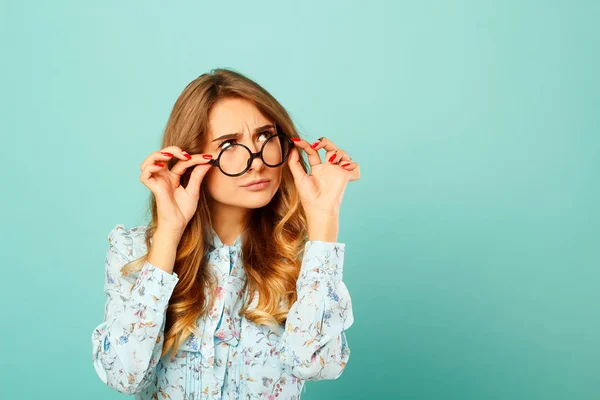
(228, 221)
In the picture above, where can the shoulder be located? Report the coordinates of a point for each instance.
(125, 245)
(129, 242)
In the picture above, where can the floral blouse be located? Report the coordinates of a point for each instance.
(233, 358)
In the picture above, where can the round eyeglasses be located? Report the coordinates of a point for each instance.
(235, 159)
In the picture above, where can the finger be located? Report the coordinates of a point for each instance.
(324, 143)
(177, 152)
(165, 154)
(156, 157)
(181, 166)
(353, 169)
(146, 175)
(295, 166)
(336, 156)
(198, 173)
(313, 155)
(349, 165)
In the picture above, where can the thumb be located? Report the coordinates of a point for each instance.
(196, 177)
(295, 166)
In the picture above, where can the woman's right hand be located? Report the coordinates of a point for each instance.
(176, 205)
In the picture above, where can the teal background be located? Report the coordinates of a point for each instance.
(472, 236)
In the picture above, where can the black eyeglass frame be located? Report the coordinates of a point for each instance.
(280, 133)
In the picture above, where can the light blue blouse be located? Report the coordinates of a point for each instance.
(233, 358)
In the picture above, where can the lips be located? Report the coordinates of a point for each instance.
(255, 182)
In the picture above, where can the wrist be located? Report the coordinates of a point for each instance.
(169, 237)
(323, 227)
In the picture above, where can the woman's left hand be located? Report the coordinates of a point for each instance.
(321, 192)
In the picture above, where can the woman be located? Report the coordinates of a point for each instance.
(234, 289)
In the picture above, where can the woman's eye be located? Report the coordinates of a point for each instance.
(226, 142)
(268, 134)
(229, 142)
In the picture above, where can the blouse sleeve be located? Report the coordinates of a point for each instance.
(128, 343)
(313, 345)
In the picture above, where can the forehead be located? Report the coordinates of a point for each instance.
(234, 115)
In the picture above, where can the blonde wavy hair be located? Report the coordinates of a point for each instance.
(272, 241)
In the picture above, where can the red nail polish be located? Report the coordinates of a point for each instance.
(207, 156)
(315, 144)
(332, 157)
(186, 155)
(164, 153)
(159, 164)
(295, 139)
(345, 165)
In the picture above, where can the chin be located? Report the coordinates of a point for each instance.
(256, 199)
(257, 202)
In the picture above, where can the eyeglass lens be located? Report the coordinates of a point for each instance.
(234, 159)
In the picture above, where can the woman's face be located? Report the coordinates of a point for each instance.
(231, 116)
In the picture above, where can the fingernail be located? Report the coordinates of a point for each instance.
(159, 164)
(164, 153)
(315, 144)
(207, 156)
(295, 139)
(332, 157)
(345, 165)
(186, 155)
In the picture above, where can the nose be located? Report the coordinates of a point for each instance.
(257, 163)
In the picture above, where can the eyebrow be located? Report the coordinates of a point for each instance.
(237, 134)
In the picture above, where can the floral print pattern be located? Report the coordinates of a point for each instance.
(233, 358)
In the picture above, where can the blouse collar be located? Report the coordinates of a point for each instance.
(217, 243)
